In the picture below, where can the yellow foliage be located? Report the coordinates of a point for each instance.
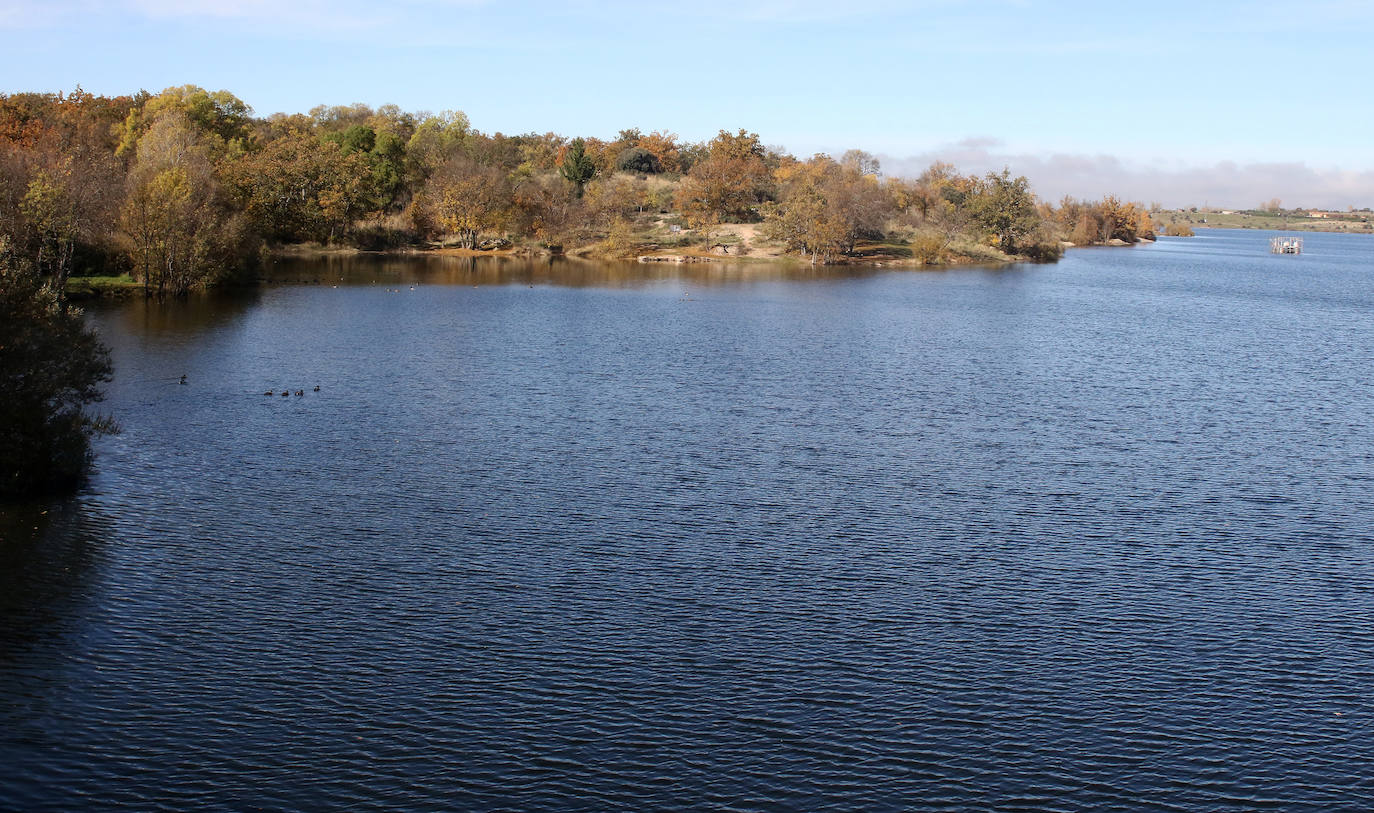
(619, 239)
(929, 248)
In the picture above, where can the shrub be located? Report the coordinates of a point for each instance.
(973, 251)
(619, 240)
(1046, 250)
(929, 248)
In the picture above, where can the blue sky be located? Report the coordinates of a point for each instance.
(1223, 102)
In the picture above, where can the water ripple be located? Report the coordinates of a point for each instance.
(1076, 538)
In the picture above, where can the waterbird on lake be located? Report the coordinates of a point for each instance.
(285, 393)
(183, 378)
(269, 392)
(317, 388)
(300, 392)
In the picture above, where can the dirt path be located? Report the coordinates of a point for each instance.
(747, 239)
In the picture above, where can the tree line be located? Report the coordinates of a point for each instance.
(187, 187)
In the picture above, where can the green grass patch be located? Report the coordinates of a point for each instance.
(90, 287)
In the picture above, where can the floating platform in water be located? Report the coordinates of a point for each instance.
(1285, 245)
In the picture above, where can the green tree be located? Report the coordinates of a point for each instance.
(388, 159)
(1005, 207)
(577, 168)
(51, 367)
(637, 159)
(358, 138)
(384, 154)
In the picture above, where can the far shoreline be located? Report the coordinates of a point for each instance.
(107, 288)
(1361, 222)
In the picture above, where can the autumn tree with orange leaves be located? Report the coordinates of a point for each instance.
(729, 185)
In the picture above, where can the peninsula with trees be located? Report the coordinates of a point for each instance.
(187, 188)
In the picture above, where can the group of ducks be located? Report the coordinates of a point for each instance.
(285, 393)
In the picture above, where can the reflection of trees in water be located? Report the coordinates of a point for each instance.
(450, 270)
(194, 314)
(49, 557)
(202, 312)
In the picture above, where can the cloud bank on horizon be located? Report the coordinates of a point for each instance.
(1224, 183)
(1230, 102)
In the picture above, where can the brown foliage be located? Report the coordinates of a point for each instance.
(60, 184)
(463, 198)
(663, 146)
(824, 207)
(1086, 223)
(300, 188)
(728, 185)
(544, 209)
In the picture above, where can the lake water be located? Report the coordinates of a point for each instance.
(1087, 536)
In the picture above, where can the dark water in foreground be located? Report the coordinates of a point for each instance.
(1090, 536)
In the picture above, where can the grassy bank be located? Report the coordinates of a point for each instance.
(1354, 222)
(102, 287)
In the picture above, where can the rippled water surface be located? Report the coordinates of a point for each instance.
(1090, 536)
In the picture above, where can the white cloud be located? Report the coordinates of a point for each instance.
(1224, 183)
